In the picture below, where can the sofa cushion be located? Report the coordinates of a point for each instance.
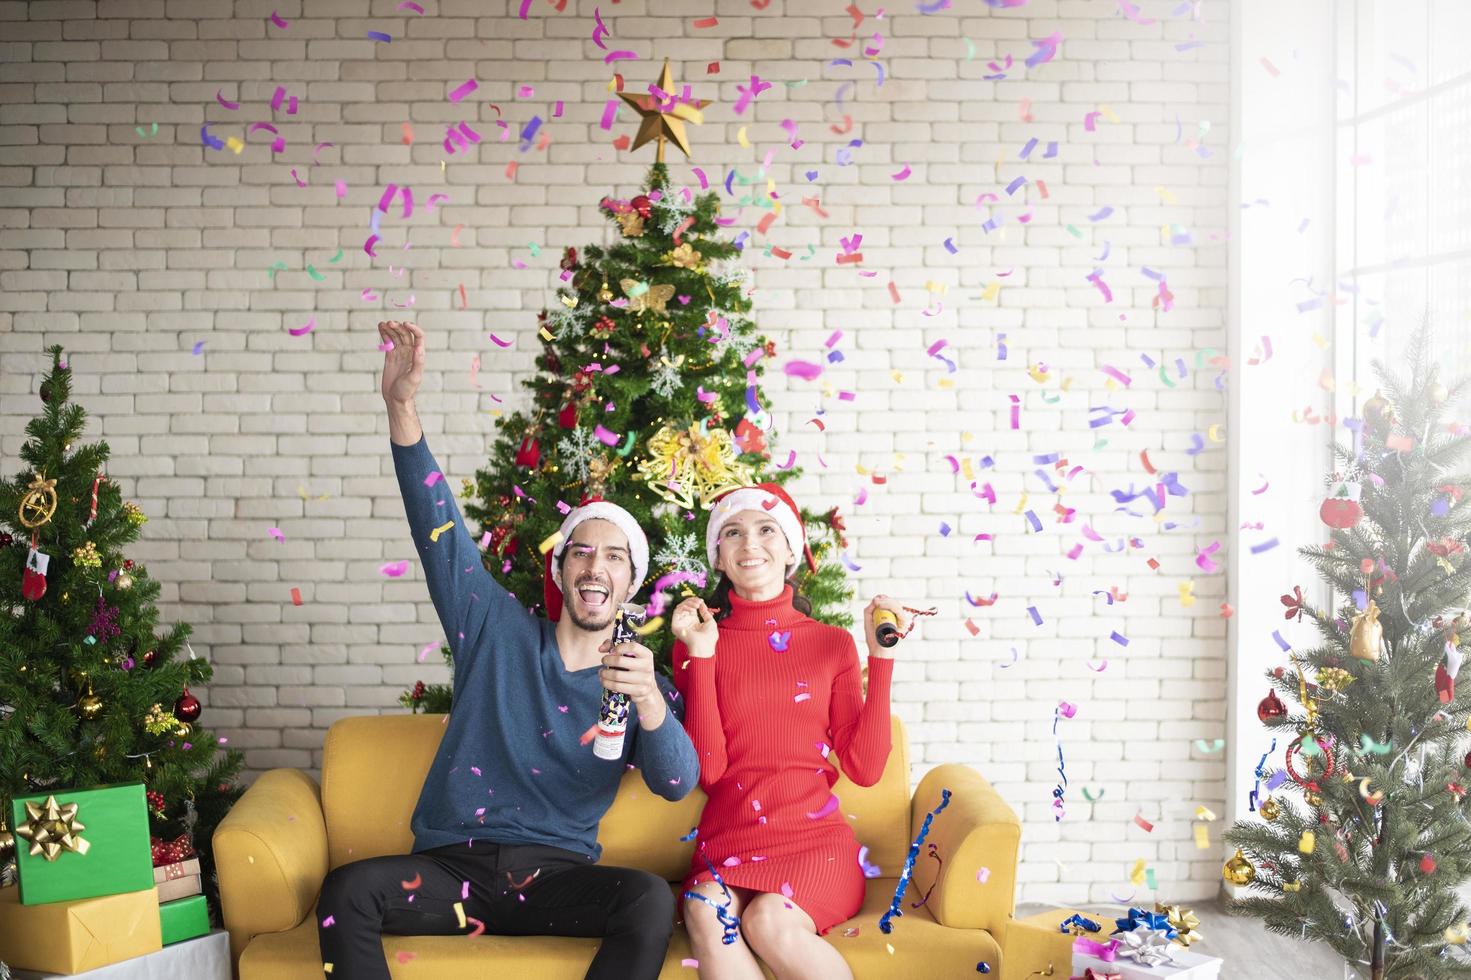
(373, 768)
(920, 946)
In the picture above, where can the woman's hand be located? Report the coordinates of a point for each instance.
(403, 366)
(694, 626)
(892, 605)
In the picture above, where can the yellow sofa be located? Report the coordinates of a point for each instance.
(277, 844)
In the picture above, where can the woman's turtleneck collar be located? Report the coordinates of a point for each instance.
(746, 614)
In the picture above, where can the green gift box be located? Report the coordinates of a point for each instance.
(88, 843)
(183, 918)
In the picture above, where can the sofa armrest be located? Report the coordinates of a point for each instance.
(976, 830)
(271, 856)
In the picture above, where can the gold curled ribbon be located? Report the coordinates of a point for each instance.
(1374, 798)
(53, 828)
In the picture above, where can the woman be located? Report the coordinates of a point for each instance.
(769, 692)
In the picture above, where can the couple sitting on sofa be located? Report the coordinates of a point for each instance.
(506, 826)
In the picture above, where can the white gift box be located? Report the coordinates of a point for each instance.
(1185, 966)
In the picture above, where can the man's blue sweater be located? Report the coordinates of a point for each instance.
(512, 767)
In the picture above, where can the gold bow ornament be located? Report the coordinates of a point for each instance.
(1182, 920)
(52, 828)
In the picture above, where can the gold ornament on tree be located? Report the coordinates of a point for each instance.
(642, 296)
(1366, 635)
(1270, 809)
(1238, 870)
(685, 466)
(685, 256)
(86, 556)
(89, 705)
(1334, 679)
(52, 829)
(664, 120)
(38, 506)
(631, 222)
(605, 295)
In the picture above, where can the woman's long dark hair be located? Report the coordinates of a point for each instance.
(720, 599)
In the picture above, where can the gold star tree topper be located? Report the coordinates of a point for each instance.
(660, 124)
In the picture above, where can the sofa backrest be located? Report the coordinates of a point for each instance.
(373, 768)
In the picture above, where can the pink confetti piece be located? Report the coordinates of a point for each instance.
(825, 809)
(498, 342)
(368, 245)
(275, 532)
(804, 696)
(806, 370)
(463, 90)
(903, 174)
(613, 56)
(329, 922)
(1144, 825)
(303, 331)
(693, 964)
(606, 437)
(411, 5)
(220, 98)
(276, 19)
(983, 875)
(394, 569)
(1016, 411)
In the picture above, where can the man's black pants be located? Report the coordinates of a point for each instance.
(523, 890)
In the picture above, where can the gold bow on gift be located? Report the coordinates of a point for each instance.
(1182, 920)
(685, 465)
(52, 829)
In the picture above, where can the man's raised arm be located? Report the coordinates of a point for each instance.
(464, 593)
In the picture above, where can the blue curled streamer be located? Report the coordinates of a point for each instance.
(730, 923)
(885, 926)
(1083, 924)
(1150, 920)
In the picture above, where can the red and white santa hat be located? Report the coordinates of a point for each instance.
(769, 499)
(593, 508)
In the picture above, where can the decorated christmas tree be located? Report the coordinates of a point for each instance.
(1361, 837)
(90, 692)
(647, 394)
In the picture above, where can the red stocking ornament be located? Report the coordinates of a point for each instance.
(33, 582)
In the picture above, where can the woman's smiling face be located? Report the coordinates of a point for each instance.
(752, 552)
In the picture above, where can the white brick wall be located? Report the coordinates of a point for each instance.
(129, 250)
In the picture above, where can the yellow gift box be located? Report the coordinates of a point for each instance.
(83, 934)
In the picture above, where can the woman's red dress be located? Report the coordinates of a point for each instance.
(782, 693)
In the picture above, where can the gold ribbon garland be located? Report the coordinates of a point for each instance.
(53, 828)
(685, 465)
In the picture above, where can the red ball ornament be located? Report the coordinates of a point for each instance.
(155, 800)
(187, 708)
(643, 206)
(1270, 709)
(6, 540)
(150, 658)
(1468, 760)
(128, 564)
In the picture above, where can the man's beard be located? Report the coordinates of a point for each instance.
(591, 625)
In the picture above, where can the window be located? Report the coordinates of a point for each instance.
(1403, 176)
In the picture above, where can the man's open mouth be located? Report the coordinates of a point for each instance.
(593, 595)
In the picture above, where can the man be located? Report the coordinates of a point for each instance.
(505, 830)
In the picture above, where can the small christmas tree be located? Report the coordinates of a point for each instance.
(648, 395)
(89, 692)
(1371, 859)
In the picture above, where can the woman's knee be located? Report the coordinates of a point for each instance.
(700, 920)
(768, 926)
